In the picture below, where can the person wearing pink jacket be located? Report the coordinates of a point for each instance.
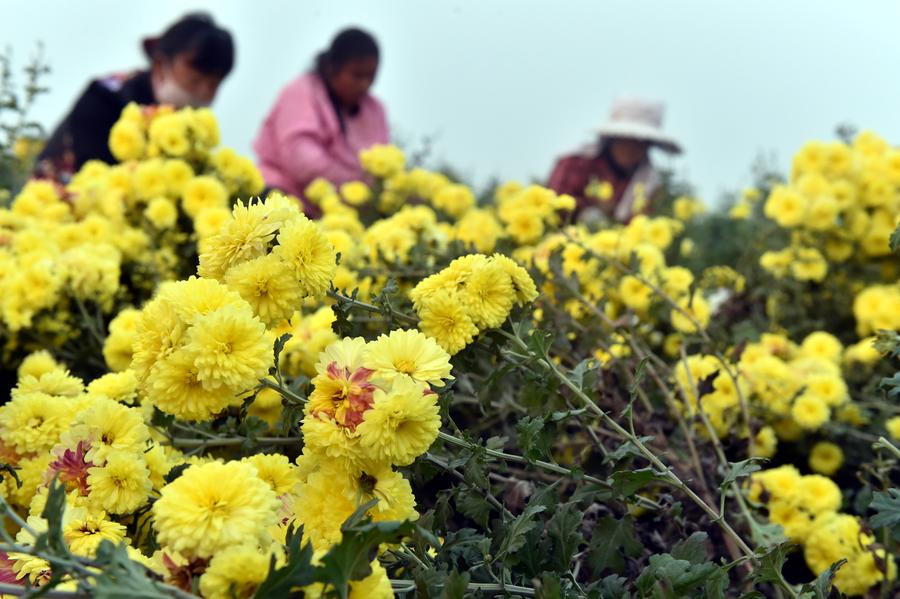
(322, 119)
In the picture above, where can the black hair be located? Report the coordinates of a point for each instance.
(210, 48)
(349, 44)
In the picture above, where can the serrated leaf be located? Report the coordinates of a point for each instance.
(279, 346)
(549, 587)
(474, 506)
(582, 375)
(820, 588)
(770, 563)
(613, 540)
(738, 470)
(455, 585)
(628, 482)
(611, 587)
(887, 508)
(563, 528)
(532, 443)
(298, 570)
(680, 576)
(53, 513)
(175, 472)
(351, 559)
(515, 536)
(625, 449)
(119, 576)
(539, 342)
(691, 549)
(891, 385)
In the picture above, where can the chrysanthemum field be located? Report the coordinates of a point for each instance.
(424, 392)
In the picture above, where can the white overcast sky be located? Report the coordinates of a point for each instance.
(507, 85)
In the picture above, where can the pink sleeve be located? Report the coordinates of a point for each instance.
(384, 132)
(303, 138)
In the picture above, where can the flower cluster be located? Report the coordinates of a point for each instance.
(840, 206)
(111, 234)
(272, 256)
(793, 389)
(151, 132)
(807, 507)
(372, 408)
(198, 346)
(474, 293)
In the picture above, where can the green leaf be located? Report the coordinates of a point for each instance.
(770, 564)
(515, 536)
(539, 342)
(821, 587)
(455, 585)
(12, 472)
(887, 507)
(737, 470)
(53, 514)
(638, 379)
(628, 482)
(474, 506)
(894, 242)
(351, 559)
(548, 587)
(175, 472)
(888, 342)
(691, 549)
(298, 570)
(613, 540)
(564, 532)
(583, 375)
(891, 385)
(119, 576)
(532, 442)
(611, 587)
(279, 346)
(625, 449)
(475, 471)
(680, 577)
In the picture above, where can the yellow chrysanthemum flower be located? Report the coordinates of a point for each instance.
(408, 353)
(37, 363)
(401, 425)
(121, 485)
(203, 192)
(810, 411)
(268, 285)
(303, 245)
(84, 533)
(212, 507)
(826, 458)
(236, 572)
(275, 469)
(444, 319)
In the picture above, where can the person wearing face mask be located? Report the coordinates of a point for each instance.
(617, 163)
(322, 119)
(187, 64)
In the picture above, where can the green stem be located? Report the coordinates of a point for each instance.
(370, 307)
(283, 391)
(883, 443)
(548, 466)
(663, 470)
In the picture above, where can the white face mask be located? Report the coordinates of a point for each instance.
(168, 91)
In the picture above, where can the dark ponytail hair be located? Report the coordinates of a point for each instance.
(209, 47)
(349, 44)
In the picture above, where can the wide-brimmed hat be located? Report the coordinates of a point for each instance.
(636, 118)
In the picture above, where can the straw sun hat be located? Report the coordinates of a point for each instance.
(635, 118)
